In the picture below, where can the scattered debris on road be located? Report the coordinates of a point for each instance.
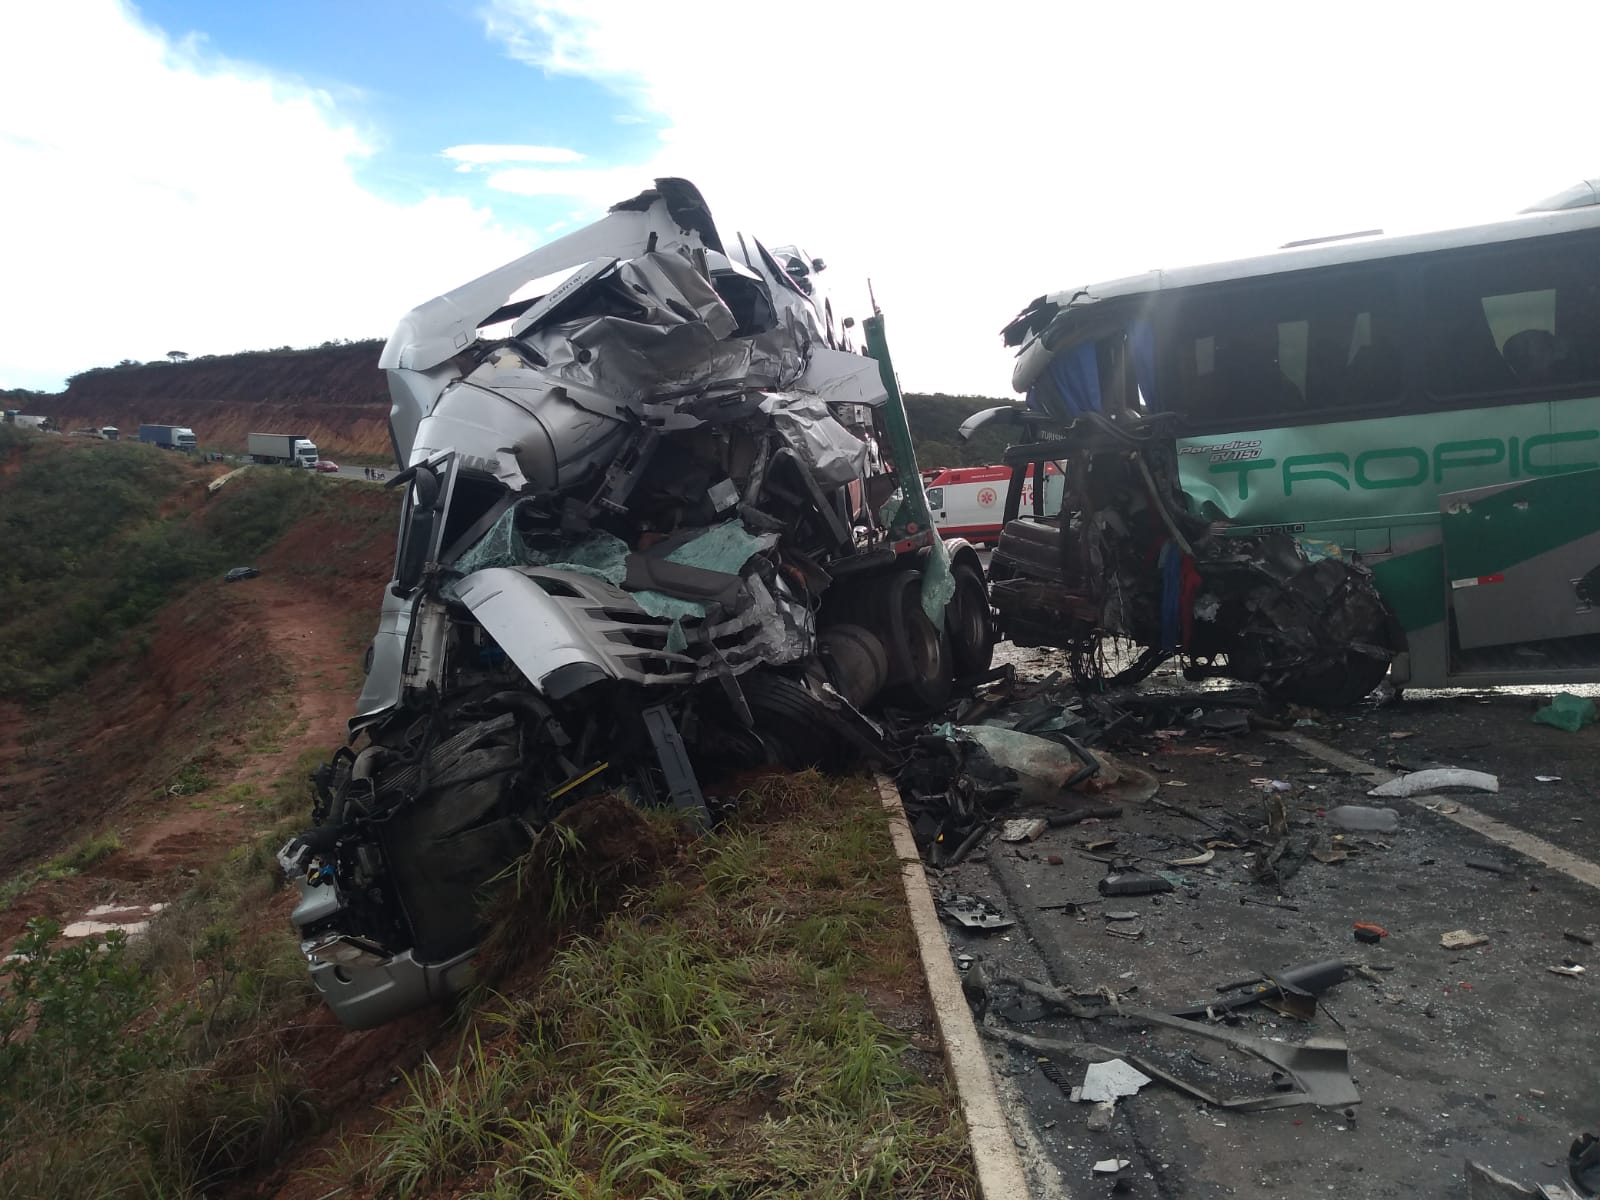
(1567, 712)
(1462, 939)
(1359, 817)
(1419, 783)
(973, 912)
(1110, 1080)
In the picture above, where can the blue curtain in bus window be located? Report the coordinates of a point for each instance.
(1142, 345)
(1076, 376)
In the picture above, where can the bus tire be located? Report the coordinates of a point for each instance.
(969, 623)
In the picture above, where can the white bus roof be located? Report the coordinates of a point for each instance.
(1074, 309)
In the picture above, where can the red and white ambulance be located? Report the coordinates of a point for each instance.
(970, 502)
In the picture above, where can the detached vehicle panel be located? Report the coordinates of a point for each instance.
(655, 522)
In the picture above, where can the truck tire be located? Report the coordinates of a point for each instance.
(969, 623)
(919, 650)
(856, 660)
(797, 731)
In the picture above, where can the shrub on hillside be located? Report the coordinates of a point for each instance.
(90, 555)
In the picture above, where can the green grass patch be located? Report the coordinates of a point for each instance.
(95, 848)
(712, 1037)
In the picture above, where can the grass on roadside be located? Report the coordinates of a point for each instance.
(142, 1069)
(735, 1029)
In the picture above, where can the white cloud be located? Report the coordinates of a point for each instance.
(478, 155)
(160, 198)
(971, 163)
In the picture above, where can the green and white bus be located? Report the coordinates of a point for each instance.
(1429, 404)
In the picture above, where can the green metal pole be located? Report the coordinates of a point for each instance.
(913, 518)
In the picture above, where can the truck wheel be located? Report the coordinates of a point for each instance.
(969, 625)
(857, 663)
(797, 731)
(919, 650)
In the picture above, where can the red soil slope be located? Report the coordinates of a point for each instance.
(335, 395)
(107, 755)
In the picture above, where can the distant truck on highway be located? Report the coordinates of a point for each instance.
(288, 448)
(168, 437)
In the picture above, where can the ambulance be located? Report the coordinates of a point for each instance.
(969, 502)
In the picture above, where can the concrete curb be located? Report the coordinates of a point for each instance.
(994, 1150)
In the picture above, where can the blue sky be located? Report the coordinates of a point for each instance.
(417, 77)
(222, 176)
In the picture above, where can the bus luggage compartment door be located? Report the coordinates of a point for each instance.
(1522, 560)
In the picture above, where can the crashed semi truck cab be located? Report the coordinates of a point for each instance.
(656, 523)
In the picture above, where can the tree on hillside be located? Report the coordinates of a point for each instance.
(178, 356)
(934, 421)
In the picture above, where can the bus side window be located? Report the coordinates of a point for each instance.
(1514, 321)
(1288, 348)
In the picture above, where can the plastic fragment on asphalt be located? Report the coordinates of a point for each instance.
(1197, 860)
(1133, 883)
(1419, 782)
(1361, 818)
(1101, 1116)
(1547, 778)
(1486, 1184)
(1366, 931)
(1567, 712)
(972, 912)
(1110, 1166)
(1571, 972)
(1024, 829)
(1461, 939)
(1111, 1080)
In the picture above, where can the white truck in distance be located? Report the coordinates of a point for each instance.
(288, 448)
(168, 437)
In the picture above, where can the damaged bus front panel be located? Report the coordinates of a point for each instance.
(1425, 407)
(653, 522)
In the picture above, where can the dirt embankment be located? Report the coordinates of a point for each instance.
(233, 683)
(335, 395)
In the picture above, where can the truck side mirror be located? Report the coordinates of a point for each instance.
(416, 539)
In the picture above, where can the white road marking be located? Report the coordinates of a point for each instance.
(1512, 838)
